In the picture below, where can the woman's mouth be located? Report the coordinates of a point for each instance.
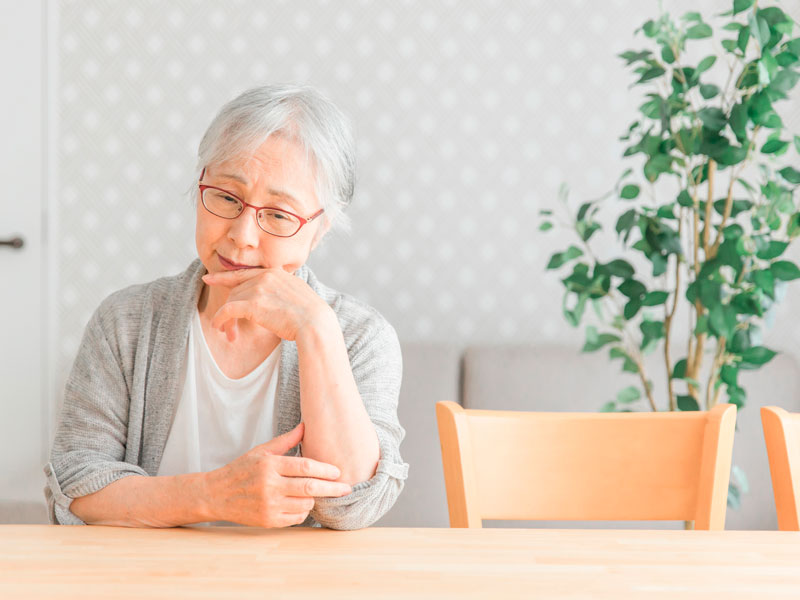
(229, 265)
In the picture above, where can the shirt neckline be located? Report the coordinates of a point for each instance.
(266, 364)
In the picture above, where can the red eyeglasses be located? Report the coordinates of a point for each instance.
(271, 220)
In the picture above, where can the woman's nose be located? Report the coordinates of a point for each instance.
(244, 230)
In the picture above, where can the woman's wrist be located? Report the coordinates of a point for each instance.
(319, 328)
(202, 489)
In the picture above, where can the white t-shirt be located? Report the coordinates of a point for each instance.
(217, 418)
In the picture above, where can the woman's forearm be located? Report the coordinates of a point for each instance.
(338, 429)
(139, 501)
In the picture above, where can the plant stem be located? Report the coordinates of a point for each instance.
(668, 315)
(712, 377)
(725, 216)
(712, 168)
(645, 384)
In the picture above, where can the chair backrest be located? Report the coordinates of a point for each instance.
(586, 466)
(782, 436)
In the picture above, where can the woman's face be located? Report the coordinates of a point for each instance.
(276, 176)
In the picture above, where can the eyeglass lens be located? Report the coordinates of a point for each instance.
(271, 220)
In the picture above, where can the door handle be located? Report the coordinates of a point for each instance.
(15, 243)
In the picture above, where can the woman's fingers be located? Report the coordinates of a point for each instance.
(238, 309)
(289, 519)
(315, 488)
(297, 505)
(281, 444)
(298, 466)
(231, 329)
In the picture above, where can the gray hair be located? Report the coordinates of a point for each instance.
(298, 112)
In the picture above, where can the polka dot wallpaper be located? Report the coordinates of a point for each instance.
(468, 116)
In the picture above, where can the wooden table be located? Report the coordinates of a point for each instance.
(47, 561)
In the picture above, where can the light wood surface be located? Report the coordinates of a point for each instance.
(49, 561)
(501, 464)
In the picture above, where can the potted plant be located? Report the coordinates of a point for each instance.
(713, 247)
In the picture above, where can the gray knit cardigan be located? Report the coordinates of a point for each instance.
(121, 395)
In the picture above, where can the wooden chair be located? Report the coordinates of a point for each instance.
(586, 466)
(782, 435)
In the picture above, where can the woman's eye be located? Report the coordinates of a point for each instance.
(229, 199)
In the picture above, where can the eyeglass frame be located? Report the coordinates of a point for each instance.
(303, 221)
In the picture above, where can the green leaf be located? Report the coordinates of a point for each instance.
(737, 206)
(619, 268)
(758, 355)
(609, 406)
(738, 121)
(625, 222)
(699, 31)
(660, 163)
(786, 59)
(712, 118)
(684, 199)
(784, 81)
(631, 308)
(760, 30)
(667, 54)
(767, 68)
(692, 16)
(728, 374)
(687, 403)
(651, 73)
(772, 250)
(586, 229)
(790, 174)
(722, 320)
(655, 298)
(574, 315)
(545, 226)
(759, 108)
(629, 192)
(706, 64)
(743, 38)
(741, 5)
(630, 56)
(765, 280)
(629, 394)
(650, 28)
(583, 210)
(559, 258)
(628, 365)
(774, 146)
(632, 288)
(793, 226)
(797, 143)
(732, 155)
(595, 341)
(679, 371)
(708, 90)
(785, 270)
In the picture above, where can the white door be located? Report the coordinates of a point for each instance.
(23, 374)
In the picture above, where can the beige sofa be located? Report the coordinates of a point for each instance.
(545, 378)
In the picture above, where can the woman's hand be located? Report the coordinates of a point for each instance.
(263, 488)
(272, 298)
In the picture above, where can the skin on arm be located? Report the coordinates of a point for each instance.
(338, 428)
(261, 488)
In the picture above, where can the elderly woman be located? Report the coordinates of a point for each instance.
(242, 390)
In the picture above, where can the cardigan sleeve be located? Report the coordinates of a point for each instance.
(377, 367)
(89, 445)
